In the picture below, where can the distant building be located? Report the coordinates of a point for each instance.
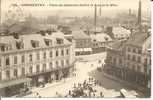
(82, 43)
(118, 33)
(33, 59)
(138, 58)
(114, 63)
(131, 60)
(100, 41)
(121, 33)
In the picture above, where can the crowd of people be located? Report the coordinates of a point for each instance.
(85, 89)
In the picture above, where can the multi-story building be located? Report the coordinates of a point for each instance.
(82, 43)
(131, 60)
(138, 58)
(100, 42)
(118, 33)
(32, 59)
(114, 63)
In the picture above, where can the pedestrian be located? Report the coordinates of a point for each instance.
(94, 94)
(39, 96)
(74, 85)
(95, 82)
(69, 92)
(101, 94)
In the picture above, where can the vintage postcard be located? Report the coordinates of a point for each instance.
(75, 48)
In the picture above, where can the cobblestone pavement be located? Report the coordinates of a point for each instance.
(84, 69)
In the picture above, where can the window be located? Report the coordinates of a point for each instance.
(62, 52)
(56, 53)
(133, 67)
(15, 59)
(67, 51)
(57, 64)
(0, 62)
(51, 65)
(110, 58)
(44, 55)
(19, 45)
(51, 54)
(23, 71)
(30, 69)
(134, 59)
(7, 61)
(44, 67)
(23, 59)
(128, 64)
(48, 42)
(62, 63)
(129, 49)
(0, 76)
(129, 57)
(37, 68)
(120, 61)
(67, 62)
(3, 48)
(145, 62)
(8, 74)
(114, 61)
(134, 50)
(38, 56)
(30, 57)
(138, 68)
(139, 59)
(59, 41)
(15, 72)
(139, 51)
(34, 43)
(145, 69)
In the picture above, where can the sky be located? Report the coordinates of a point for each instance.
(74, 11)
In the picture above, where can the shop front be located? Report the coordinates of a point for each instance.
(14, 87)
(83, 51)
(40, 78)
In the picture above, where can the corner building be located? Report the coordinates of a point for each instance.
(28, 60)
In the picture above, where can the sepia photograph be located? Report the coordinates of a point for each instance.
(75, 48)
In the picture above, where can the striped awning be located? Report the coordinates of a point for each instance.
(82, 49)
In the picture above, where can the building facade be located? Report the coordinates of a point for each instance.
(82, 43)
(33, 59)
(138, 59)
(131, 60)
(100, 41)
(114, 63)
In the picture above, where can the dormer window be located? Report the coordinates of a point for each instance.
(3, 48)
(48, 42)
(19, 45)
(59, 41)
(16, 35)
(34, 43)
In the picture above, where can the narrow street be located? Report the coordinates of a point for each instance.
(84, 69)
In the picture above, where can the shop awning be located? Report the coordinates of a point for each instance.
(13, 82)
(78, 49)
(82, 49)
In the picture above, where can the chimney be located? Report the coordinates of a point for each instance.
(95, 17)
(129, 11)
(139, 13)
